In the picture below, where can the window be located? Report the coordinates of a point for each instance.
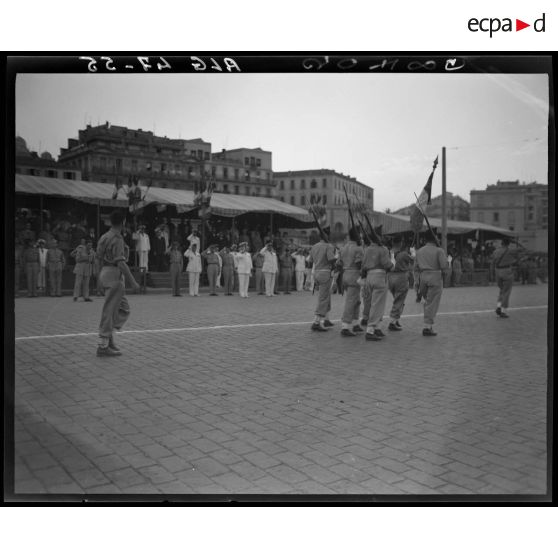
(292, 200)
(247, 176)
(163, 167)
(302, 200)
(206, 155)
(247, 190)
(268, 192)
(313, 184)
(268, 176)
(213, 171)
(236, 174)
(258, 162)
(193, 152)
(303, 184)
(495, 216)
(282, 198)
(200, 154)
(324, 183)
(226, 188)
(258, 191)
(246, 161)
(225, 172)
(51, 173)
(68, 175)
(252, 162)
(281, 185)
(324, 197)
(190, 171)
(236, 189)
(292, 185)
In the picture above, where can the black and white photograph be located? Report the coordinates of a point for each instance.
(279, 278)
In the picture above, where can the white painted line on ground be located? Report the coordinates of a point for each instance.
(239, 326)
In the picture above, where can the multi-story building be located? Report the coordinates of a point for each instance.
(456, 208)
(30, 163)
(242, 171)
(297, 187)
(103, 153)
(521, 208)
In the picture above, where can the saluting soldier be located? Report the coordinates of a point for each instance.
(504, 258)
(351, 260)
(376, 262)
(176, 265)
(322, 255)
(398, 283)
(431, 263)
(83, 269)
(212, 258)
(111, 258)
(55, 262)
(228, 270)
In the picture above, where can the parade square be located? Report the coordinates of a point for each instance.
(233, 396)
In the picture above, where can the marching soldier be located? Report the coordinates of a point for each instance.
(111, 258)
(322, 255)
(351, 259)
(504, 258)
(83, 269)
(431, 263)
(56, 262)
(398, 283)
(376, 262)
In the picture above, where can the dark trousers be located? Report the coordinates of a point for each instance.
(116, 309)
(286, 278)
(212, 272)
(175, 270)
(228, 279)
(260, 287)
(32, 272)
(55, 279)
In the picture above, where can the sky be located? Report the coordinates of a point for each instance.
(384, 130)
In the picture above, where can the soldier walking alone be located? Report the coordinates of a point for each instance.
(111, 259)
(504, 258)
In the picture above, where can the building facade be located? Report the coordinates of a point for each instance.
(297, 188)
(521, 208)
(103, 153)
(457, 208)
(30, 163)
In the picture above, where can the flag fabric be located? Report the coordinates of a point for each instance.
(318, 209)
(419, 209)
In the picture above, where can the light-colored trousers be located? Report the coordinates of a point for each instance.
(431, 284)
(299, 280)
(352, 297)
(376, 283)
(194, 282)
(116, 309)
(212, 272)
(81, 283)
(41, 278)
(243, 282)
(144, 259)
(504, 280)
(323, 280)
(398, 283)
(269, 283)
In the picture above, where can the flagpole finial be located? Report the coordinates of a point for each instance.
(435, 162)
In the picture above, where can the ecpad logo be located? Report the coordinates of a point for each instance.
(494, 24)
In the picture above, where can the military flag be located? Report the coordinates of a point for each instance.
(418, 212)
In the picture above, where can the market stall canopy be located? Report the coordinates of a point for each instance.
(88, 192)
(226, 205)
(394, 224)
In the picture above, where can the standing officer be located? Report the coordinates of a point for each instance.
(176, 264)
(42, 277)
(31, 260)
(84, 256)
(286, 269)
(257, 260)
(398, 283)
(228, 270)
(213, 268)
(431, 263)
(504, 258)
(351, 259)
(112, 262)
(56, 261)
(376, 262)
(322, 255)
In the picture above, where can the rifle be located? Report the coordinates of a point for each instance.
(427, 222)
(349, 208)
(323, 235)
(374, 234)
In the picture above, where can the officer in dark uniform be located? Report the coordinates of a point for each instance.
(504, 258)
(111, 258)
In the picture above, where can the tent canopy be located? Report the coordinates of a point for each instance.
(226, 205)
(394, 224)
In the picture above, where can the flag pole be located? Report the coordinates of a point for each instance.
(444, 214)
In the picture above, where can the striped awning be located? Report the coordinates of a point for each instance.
(226, 205)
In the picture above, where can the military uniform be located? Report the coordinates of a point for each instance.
(286, 271)
(228, 272)
(322, 255)
(376, 262)
(83, 271)
(212, 259)
(55, 263)
(431, 262)
(176, 265)
(351, 259)
(116, 310)
(398, 284)
(504, 258)
(31, 262)
(257, 260)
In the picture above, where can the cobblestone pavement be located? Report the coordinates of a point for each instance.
(223, 395)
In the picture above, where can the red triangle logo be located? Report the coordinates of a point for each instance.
(519, 25)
